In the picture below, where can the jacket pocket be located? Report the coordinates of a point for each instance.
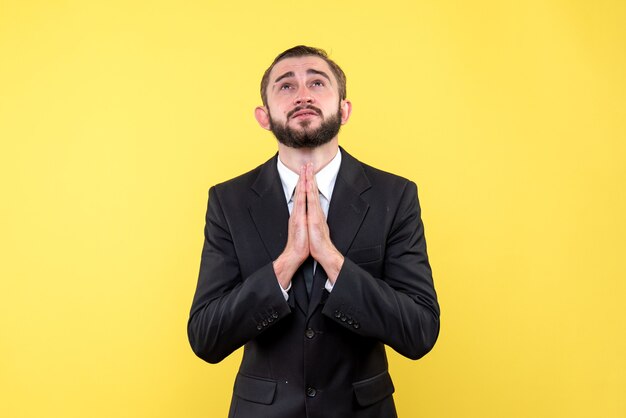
(365, 255)
(255, 389)
(374, 389)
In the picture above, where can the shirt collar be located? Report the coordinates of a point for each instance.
(325, 178)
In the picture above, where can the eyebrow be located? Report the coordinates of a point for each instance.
(287, 74)
(309, 71)
(322, 73)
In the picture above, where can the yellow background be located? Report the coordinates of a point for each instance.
(116, 117)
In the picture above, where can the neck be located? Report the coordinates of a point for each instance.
(294, 158)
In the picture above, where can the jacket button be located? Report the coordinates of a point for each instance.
(259, 327)
(311, 392)
(264, 323)
(356, 325)
(337, 314)
(343, 318)
(309, 333)
(350, 321)
(275, 315)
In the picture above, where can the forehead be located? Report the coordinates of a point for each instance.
(299, 66)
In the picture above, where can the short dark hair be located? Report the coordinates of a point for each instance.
(303, 51)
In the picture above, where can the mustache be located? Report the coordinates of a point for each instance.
(308, 107)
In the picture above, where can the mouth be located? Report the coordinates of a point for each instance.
(304, 113)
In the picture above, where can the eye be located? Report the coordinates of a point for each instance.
(317, 83)
(285, 86)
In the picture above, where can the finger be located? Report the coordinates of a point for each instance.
(299, 207)
(310, 177)
(311, 186)
(313, 197)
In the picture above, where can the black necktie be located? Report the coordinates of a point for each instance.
(307, 270)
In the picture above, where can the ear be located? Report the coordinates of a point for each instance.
(262, 116)
(346, 111)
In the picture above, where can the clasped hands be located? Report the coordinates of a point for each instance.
(308, 233)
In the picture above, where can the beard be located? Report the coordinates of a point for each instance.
(306, 137)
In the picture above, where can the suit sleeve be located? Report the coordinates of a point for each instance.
(229, 310)
(399, 309)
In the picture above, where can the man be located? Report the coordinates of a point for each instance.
(313, 262)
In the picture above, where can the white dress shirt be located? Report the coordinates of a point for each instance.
(325, 179)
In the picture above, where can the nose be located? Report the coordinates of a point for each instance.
(303, 97)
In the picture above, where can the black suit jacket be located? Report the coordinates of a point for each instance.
(324, 356)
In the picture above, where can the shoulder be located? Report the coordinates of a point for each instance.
(249, 180)
(388, 188)
(384, 178)
(357, 171)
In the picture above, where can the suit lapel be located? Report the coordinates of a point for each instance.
(269, 212)
(345, 215)
(270, 215)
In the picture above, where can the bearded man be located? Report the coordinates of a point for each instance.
(313, 262)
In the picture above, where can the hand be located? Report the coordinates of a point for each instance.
(297, 248)
(321, 247)
(308, 233)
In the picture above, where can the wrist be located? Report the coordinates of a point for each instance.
(332, 265)
(285, 267)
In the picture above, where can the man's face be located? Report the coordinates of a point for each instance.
(303, 102)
